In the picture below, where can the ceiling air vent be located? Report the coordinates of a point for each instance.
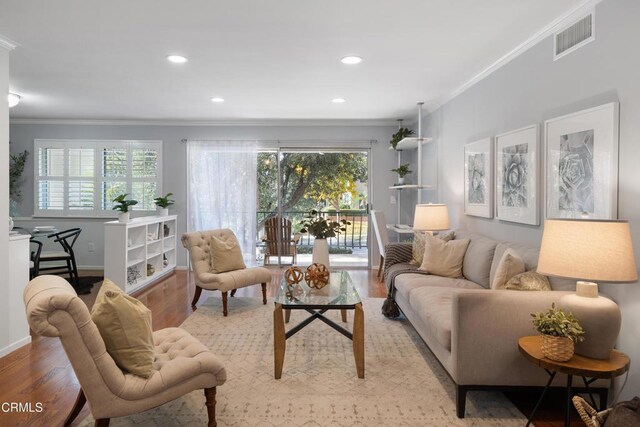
(574, 36)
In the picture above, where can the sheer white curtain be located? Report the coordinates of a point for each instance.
(222, 181)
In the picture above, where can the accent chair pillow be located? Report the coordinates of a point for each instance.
(529, 281)
(419, 243)
(225, 255)
(510, 264)
(125, 326)
(444, 258)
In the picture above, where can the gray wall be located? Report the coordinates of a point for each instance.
(174, 164)
(533, 88)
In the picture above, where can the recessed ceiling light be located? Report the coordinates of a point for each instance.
(338, 100)
(13, 99)
(351, 60)
(217, 99)
(177, 59)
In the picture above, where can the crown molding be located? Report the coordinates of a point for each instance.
(579, 10)
(225, 122)
(7, 43)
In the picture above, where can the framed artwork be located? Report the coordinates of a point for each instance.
(582, 164)
(517, 166)
(478, 178)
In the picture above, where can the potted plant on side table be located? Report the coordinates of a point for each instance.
(163, 204)
(322, 229)
(560, 332)
(402, 171)
(122, 205)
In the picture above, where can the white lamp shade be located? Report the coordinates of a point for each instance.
(597, 250)
(431, 217)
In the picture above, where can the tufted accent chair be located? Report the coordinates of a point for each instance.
(182, 363)
(198, 245)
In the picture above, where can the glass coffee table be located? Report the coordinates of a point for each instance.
(339, 294)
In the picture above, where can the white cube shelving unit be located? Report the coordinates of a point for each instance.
(140, 251)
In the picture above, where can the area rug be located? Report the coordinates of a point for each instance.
(403, 386)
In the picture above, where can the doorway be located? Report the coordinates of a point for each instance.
(294, 182)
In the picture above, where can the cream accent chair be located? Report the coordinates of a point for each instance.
(182, 363)
(197, 243)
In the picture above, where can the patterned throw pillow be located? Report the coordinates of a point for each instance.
(419, 242)
(529, 281)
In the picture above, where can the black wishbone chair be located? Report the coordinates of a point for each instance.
(34, 265)
(67, 239)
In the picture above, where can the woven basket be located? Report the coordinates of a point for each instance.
(590, 416)
(559, 349)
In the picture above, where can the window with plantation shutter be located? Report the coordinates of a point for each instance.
(81, 178)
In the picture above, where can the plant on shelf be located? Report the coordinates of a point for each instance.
(402, 171)
(560, 332)
(399, 136)
(164, 202)
(122, 205)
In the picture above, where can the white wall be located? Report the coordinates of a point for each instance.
(533, 88)
(4, 196)
(174, 155)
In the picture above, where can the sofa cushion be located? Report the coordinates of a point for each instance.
(530, 256)
(419, 244)
(433, 305)
(510, 264)
(444, 258)
(477, 261)
(405, 283)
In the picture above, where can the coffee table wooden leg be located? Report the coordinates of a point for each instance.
(358, 339)
(279, 341)
(344, 315)
(287, 315)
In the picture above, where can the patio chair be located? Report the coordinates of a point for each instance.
(279, 240)
(382, 238)
(182, 363)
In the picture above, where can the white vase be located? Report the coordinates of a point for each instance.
(10, 223)
(163, 211)
(320, 253)
(123, 217)
(401, 180)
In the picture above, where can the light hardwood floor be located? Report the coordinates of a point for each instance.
(41, 372)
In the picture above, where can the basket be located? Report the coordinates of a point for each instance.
(559, 349)
(590, 416)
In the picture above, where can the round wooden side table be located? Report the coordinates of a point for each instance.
(585, 367)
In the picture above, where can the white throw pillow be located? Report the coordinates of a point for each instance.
(444, 258)
(510, 265)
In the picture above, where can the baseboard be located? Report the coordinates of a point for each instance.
(14, 346)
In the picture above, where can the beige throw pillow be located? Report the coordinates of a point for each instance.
(444, 258)
(225, 255)
(419, 242)
(510, 264)
(529, 281)
(125, 326)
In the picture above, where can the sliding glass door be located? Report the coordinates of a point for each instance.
(294, 182)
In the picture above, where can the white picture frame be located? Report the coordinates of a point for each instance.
(517, 175)
(478, 178)
(581, 164)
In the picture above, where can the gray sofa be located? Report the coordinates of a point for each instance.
(471, 329)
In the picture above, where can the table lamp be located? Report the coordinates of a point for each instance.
(431, 217)
(589, 249)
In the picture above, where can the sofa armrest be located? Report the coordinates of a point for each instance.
(396, 253)
(485, 328)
